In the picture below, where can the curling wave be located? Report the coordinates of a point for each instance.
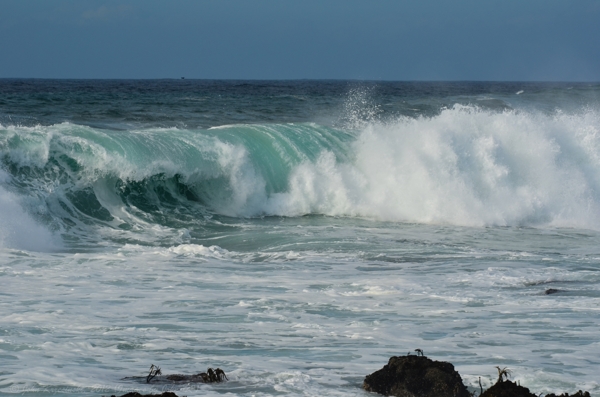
(465, 166)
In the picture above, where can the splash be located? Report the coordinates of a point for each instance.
(466, 167)
(18, 230)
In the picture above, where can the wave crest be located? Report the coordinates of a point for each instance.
(465, 166)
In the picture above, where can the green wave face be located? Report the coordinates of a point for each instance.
(77, 176)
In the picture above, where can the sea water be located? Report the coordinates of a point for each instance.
(296, 234)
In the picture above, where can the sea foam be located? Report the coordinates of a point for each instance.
(466, 167)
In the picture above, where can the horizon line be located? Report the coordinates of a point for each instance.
(298, 79)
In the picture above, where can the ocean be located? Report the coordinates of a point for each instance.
(296, 234)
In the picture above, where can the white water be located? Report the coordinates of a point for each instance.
(464, 167)
(303, 322)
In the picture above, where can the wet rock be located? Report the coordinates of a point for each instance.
(198, 378)
(507, 389)
(416, 376)
(155, 377)
(210, 376)
(578, 394)
(551, 291)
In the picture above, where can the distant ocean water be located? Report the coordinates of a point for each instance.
(296, 233)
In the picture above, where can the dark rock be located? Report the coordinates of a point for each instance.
(416, 376)
(551, 291)
(198, 378)
(136, 394)
(210, 376)
(507, 389)
(578, 394)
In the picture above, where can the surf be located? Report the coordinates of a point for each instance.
(465, 166)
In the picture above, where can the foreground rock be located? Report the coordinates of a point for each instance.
(507, 389)
(511, 389)
(416, 376)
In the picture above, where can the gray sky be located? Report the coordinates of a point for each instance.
(302, 39)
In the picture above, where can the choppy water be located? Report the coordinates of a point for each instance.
(296, 234)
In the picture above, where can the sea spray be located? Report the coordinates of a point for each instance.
(466, 167)
(18, 229)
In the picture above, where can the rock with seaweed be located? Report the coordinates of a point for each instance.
(210, 376)
(507, 389)
(416, 376)
(578, 394)
(155, 377)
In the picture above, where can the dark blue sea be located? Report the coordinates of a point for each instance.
(296, 234)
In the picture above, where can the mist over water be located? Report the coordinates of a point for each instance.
(19, 230)
(285, 231)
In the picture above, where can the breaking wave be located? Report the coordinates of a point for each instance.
(464, 166)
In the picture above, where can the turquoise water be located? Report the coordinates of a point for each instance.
(296, 234)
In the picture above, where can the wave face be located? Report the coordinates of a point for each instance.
(73, 177)
(464, 166)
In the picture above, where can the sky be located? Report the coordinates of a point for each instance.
(490, 40)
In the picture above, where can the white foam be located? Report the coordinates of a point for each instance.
(465, 167)
(311, 327)
(198, 250)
